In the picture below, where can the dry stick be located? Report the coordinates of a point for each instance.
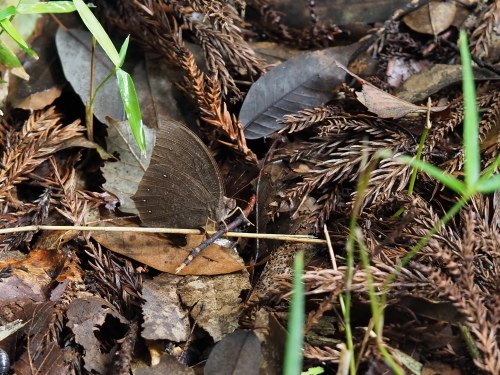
(330, 247)
(282, 237)
(224, 228)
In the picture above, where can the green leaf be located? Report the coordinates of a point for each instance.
(123, 51)
(471, 120)
(7, 57)
(293, 350)
(98, 31)
(10, 29)
(490, 185)
(8, 12)
(446, 179)
(49, 7)
(131, 105)
(314, 371)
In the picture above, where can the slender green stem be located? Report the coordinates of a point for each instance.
(418, 157)
(293, 351)
(376, 305)
(364, 178)
(102, 84)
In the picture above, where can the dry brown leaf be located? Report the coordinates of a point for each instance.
(160, 253)
(219, 295)
(432, 18)
(273, 336)
(237, 353)
(168, 365)
(164, 317)
(30, 276)
(91, 320)
(385, 105)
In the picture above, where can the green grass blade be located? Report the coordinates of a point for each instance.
(471, 119)
(49, 7)
(7, 57)
(446, 179)
(131, 105)
(123, 51)
(293, 351)
(8, 12)
(491, 169)
(490, 185)
(11, 30)
(98, 31)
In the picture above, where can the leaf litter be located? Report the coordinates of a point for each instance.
(96, 301)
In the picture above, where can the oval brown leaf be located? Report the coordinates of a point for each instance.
(237, 353)
(158, 252)
(304, 81)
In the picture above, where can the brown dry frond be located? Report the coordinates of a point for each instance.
(334, 157)
(36, 214)
(73, 207)
(41, 136)
(324, 354)
(226, 37)
(157, 30)
(480, 40)
(115, 280)
(206, 93)
(442, 129)
(306, 118)
(154, 23)
(457, 281)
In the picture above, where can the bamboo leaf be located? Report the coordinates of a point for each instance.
(131, 105)
(98, 31)
(49, 7)
(11, 30)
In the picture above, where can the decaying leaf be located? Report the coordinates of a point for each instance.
(123, 176)
(238, 352)
(432, 18)
(164, 317)
(420, 86)
(304, 81)
(168, 365)
(74, 48)
(30, 276)
(384, 104)
(46, 76)
(164, 255)
(96, 325)
(214, 301)
(42, 354)
(273, 338)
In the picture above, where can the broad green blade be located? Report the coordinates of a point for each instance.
(123, 51)
(131, 105)
(49, 7)
(11, 30)
(8, 12)
(8, 58)
(98, 31)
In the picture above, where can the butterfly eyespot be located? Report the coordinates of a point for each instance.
(148, 190)
(164, 175)
(150, 211)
